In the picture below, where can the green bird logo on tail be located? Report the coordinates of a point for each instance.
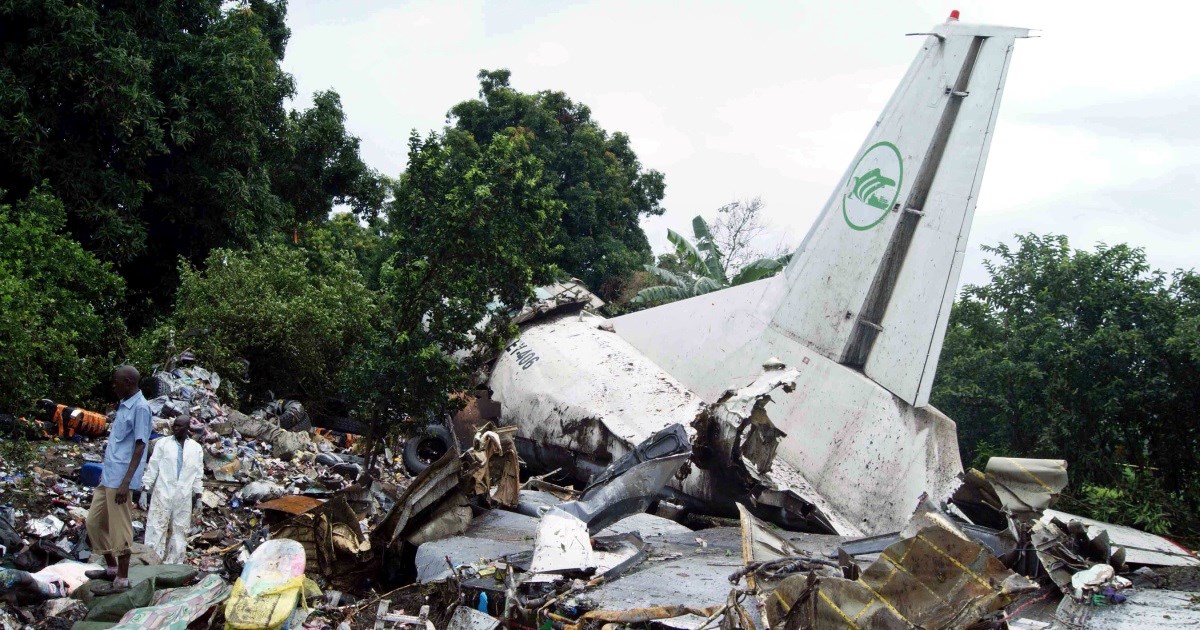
(865, 187)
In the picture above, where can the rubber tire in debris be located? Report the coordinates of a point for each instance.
(344, 425)
(155, 386)
(419, 450)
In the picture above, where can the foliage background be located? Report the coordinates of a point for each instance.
(1088, 356)
(267, 319)
(57, 333)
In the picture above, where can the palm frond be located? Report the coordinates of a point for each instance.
(708, 245)
(757, 270)
(687, 253)
(660, 295)
(705, 284)
(667, 277)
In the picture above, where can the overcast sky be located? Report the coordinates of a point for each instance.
(1098, 136)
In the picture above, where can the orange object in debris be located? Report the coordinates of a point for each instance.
(69, 421)
(348, 439)
(291, 504)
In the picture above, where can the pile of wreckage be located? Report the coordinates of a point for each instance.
(269, 476)
(994, 555)
(295, 532)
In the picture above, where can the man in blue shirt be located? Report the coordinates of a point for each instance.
(110, 519)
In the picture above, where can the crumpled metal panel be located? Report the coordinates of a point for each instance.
(467, 618)
(630, 493)
(1140, 547)
(933, 580)
(562, 544)
(736, 430)
(563, 537)
(556, 298)
(429, 487)
(1026, 485)
(671, 440)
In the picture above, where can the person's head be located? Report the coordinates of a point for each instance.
(125, 381)
(181, 427)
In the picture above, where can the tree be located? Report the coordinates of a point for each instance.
(344, 239)
(468, 234)
(738, 231)
(596, 175)
(268, 319)
(696, 269)
(1086, 356)
(322, 167)
(162, 128)
(59, 335)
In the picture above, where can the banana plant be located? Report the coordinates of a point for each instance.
(702, 270)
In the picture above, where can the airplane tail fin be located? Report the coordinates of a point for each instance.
(872, 283)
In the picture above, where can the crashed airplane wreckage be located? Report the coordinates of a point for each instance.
(796, 407)
(534, 554)
(858, 316)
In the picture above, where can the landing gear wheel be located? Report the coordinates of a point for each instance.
(426, 447)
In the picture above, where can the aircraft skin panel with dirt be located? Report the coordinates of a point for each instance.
(859, 313)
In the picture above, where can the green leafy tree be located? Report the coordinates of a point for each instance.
(346, 239)
(1086, 356)
(162, 128)
(469, 234)
(271, 318)
(595, 174)
(696, 269)
(59, 335)
(321, 167)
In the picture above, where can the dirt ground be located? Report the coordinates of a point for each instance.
(1181, 578)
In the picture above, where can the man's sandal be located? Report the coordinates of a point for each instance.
(112, 588)
(101, 574)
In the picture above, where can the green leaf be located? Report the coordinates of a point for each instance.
(666, 276)
(757, 270)
(688, 254)
(712, 254)
(660, 295)
(706, 285)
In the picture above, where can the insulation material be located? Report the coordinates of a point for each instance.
(493, 463)
(932, 580)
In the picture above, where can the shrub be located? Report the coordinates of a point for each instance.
(1138, 500)
(61, 331)
(266, 320)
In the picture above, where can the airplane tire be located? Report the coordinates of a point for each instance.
(426, 447)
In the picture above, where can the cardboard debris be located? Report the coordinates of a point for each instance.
(292, 504)
(335, 546)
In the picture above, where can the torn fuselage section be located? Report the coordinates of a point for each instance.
(589, 400)
(627, 487)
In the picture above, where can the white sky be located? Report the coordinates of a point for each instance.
(1098, 136)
